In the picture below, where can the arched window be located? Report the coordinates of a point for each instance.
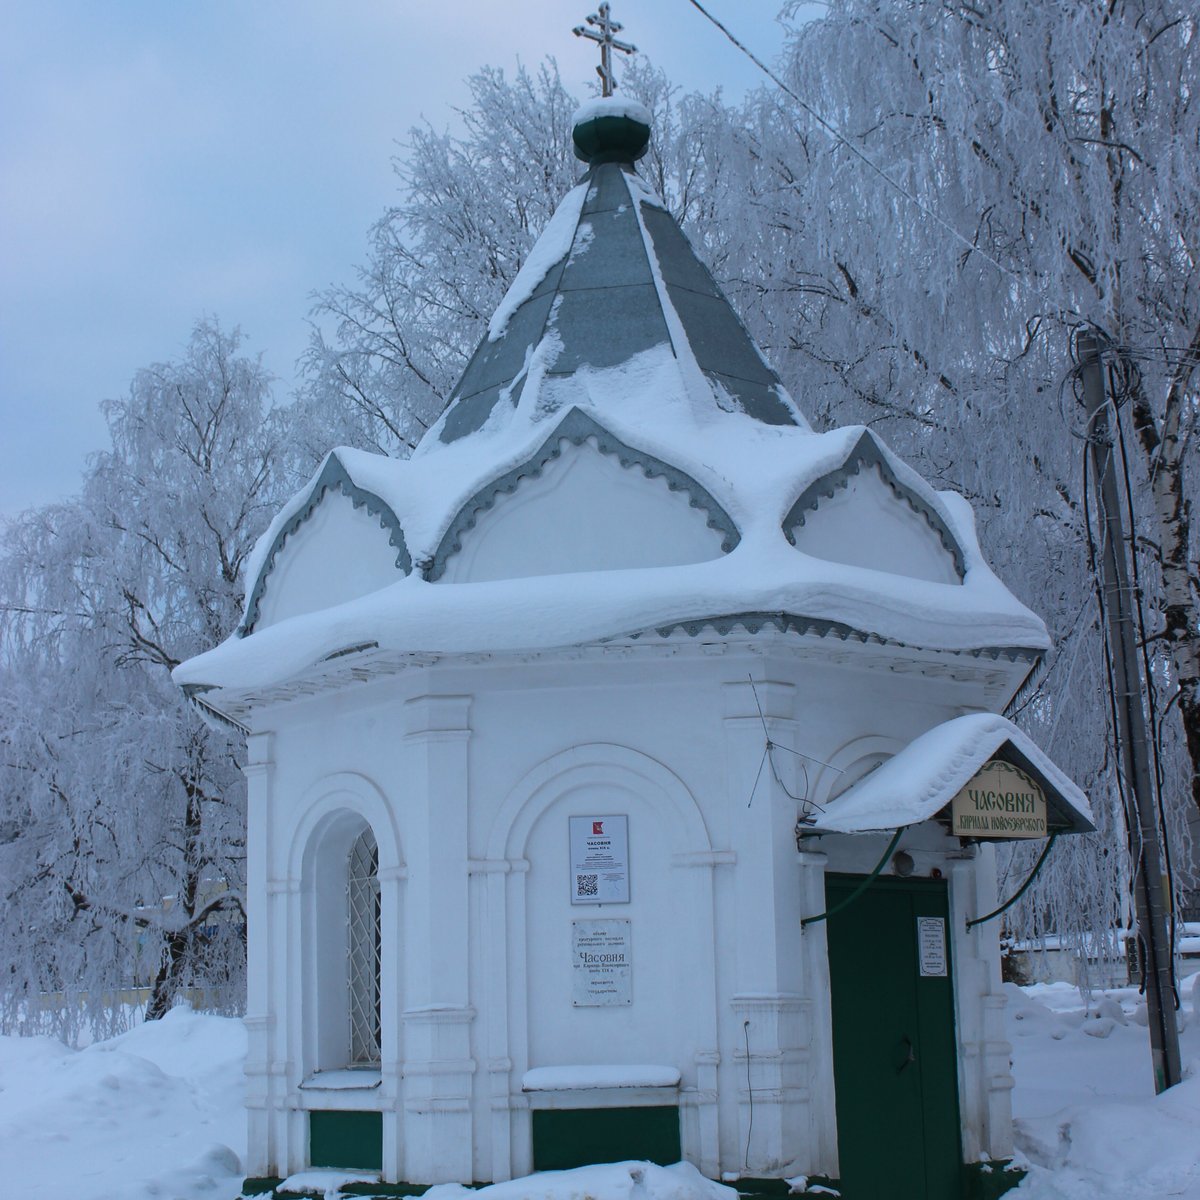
(363, 932)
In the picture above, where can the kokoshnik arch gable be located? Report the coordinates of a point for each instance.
(562, 733)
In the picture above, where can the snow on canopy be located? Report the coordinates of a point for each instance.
(617, 336)
(930, 771)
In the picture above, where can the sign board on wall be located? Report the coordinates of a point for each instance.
(600, 860)
(931, 945)
(1001, 801)
(601, 963)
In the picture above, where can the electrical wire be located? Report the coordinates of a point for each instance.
(758, 776)
(767, 758)
(834, 132)
(1037, 866)
(798, 799)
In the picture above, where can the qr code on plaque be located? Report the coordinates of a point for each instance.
(587, 885)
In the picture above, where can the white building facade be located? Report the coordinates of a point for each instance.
(562, 733)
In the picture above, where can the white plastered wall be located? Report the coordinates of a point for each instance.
(297, 1016)
(481, 764)
(337, 554)
(865, 524)
(585, 512)
(529, 926)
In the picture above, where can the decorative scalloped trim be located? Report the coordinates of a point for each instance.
(194, 693)
(866, 453)
(784, 622)
(333, 475)
(576, 428)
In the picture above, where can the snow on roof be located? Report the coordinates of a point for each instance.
(549, 250)
(614, 316)
(611, 106)
(753, 470)
(611, 278)
(930, 771)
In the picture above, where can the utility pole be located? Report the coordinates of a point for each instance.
(1153, 913)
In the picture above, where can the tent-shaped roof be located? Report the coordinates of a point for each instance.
(919, 781)
(615, 343)
(612, 277)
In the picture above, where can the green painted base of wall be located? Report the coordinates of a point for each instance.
(260, 1185)
(981, 1181)
(565, 1138)
(987, 1181)
(346, 1139)
(268, 1185)
(377, 1191)
(781, 1187)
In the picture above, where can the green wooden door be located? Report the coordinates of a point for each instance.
(894, 1046)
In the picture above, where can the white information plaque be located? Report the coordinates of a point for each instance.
(931, 945)
(601, 963)
(600, 860)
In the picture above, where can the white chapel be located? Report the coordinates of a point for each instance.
(624, 766)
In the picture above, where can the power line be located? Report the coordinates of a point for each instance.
(837, 134)
(1022, 282)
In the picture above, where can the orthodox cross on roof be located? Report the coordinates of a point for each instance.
(606, 27)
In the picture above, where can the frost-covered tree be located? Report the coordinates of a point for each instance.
(1001, 175)
(122, 814)
(385, 353)
(914, 228)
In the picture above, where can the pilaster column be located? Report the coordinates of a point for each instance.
(766, 1028)
(815, 964)
(263, 1149)
(292, 1028)
(438, 1064)
(491, 915)
(985, 1072)
(391, 987)
(707, 1114)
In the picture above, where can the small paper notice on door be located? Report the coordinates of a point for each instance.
(931, 945)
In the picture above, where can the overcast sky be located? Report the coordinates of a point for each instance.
(161, 160)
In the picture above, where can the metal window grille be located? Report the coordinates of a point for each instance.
(364, 938)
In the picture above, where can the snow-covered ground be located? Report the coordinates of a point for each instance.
(156, 1113)
(1087, 1117)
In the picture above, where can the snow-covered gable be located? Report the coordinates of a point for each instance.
(753, 472)
(585, 501)
(862, 515)
(334, 542)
